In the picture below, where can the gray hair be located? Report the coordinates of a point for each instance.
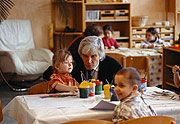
(92, 43)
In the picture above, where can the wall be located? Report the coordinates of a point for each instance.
(155, 9)
(39, 12)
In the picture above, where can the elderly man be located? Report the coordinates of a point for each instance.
(96, 65)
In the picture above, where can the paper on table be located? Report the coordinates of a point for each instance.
(105, 105)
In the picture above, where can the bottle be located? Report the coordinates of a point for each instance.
(106, 88)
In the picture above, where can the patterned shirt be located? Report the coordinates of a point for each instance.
(158, 42)
(56, 78)
(131, 107)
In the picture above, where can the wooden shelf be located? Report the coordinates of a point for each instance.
(105, 3)
(74, 1)
(154, 26)
(121, 38)
(138, 39)
(158, 33)
(63, 33)
(114, 20)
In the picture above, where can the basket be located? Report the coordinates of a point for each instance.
(139, 21)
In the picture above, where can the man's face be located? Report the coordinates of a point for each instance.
(90, 59)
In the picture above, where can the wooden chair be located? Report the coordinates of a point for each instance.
(1, 115)
(41, 88)
(141, 63)
(150, 120)
(117, 57)
(89, 121)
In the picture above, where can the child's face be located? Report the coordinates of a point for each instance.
(150, 36)
(66, 66)
(107, 33)
(123, 88)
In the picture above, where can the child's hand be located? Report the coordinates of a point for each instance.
(112, 47)
(175, 69)
(158, 45)
(151, 46)
(74, 89)
(105, 47)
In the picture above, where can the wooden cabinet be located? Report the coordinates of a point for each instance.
(166, 33)
(171, 57)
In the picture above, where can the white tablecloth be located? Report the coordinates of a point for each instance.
(155, 68)
(31, 109)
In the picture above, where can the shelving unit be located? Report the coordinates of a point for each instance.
(171, 57)
(166, 33)
(120, 23)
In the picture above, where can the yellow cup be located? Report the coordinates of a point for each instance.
(106, 88)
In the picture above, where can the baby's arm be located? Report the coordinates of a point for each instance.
(175, 71)
(62, 87)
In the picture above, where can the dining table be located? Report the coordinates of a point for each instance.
(57, 108)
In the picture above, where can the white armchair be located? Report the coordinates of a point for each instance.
(18, 54)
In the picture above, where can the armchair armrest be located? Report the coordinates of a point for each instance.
(42, 54)
(9, 61)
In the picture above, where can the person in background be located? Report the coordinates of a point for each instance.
(109, 42)
(61, 80)
(132, 105)
(96, 64)
(153, 40)
(176, 77)
(91, 30)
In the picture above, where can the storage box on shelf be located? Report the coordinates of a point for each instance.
(116, 34)
(92, 15)
(121, 14)
(166, 33)
(106, 14)
(171, 57)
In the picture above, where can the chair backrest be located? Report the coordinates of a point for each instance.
(89, 121)
(150, 120)
(1, 115)
(16, 35)
(117, 57)
(41, 88)
(139, 62)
